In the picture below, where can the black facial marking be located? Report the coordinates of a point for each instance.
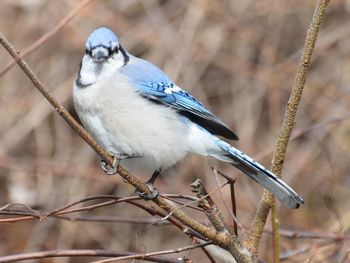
(88, 52)
(125, 55)
(78, 81)
(109, 49)
(112, 51)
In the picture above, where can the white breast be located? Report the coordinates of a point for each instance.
(124, 122)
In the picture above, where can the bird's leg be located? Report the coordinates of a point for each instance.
(150, 185)
(117, 157)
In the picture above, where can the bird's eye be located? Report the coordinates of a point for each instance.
(110, 52)
(88, 52)
(114, 47)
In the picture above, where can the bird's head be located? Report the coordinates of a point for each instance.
(103, 46)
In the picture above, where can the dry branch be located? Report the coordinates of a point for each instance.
(16, 214)
(92, 253)
(239, 252)
(232, 212)
(164, 252)
(267, 201)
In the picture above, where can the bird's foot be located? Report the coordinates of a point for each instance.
(154, 192)
(117, 157)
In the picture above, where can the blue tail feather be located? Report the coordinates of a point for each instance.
(261, 175)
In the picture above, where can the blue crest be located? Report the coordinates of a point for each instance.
(102, 36)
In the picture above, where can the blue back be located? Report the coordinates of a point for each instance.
(154, 84)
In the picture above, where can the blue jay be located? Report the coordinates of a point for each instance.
(136, 112)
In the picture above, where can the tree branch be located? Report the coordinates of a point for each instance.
(90, 253)
(239, 252)
(254, 237)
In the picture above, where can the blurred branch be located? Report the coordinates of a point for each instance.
(276, 246)
(294, 252)
(302, 131)
(232, 212)
(115, 219)
(98, 253)
(164, 252)
(30, 213)
(154, 211)
(254, 237)
(47, 35)
(310, 235)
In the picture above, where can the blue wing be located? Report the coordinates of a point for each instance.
(155, 85)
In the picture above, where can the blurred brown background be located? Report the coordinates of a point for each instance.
(238, 58)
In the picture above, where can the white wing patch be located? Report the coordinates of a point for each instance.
(172, 89)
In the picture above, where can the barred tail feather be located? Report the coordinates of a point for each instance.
(261, 175)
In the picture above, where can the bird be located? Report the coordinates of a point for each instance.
(142, 118)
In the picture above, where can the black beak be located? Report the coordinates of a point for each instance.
(99, 56)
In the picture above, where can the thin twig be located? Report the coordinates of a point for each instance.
(309, 235)
(239, 252)
(157, 253)
(234, 206)
(82, 253)
(30, 213)
(183, 204)
(115, 219)
(233, 213)
(209, 256)
(198, 200)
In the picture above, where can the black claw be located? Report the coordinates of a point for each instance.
(150, 185)
(117, 157)
(108, 169)
(147, 197)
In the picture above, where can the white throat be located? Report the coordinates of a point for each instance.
(91, 72)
